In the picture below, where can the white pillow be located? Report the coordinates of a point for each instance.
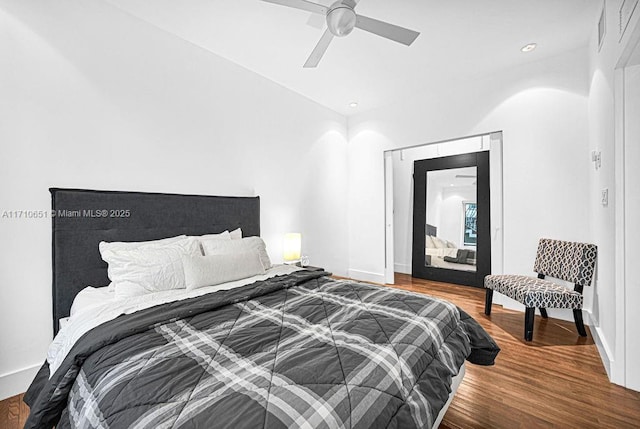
(149, 269)
(121, 245)
(236, 234)
(438, 243)
(224, 235)
(211, 270)
(428, 242)
(223, 247)
(451, 245)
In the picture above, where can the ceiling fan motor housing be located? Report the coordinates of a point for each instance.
(341, 19)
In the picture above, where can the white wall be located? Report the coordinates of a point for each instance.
(542, 110)
(403, 191)
(451, 225)
(607, 224)
(92, 98)
(602, 219)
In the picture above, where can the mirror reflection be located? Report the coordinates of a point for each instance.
(450, 232)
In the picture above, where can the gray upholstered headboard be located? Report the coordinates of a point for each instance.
(83, 218)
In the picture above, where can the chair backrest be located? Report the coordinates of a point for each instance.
(566, 260)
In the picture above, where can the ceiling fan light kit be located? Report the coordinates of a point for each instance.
(341, 20)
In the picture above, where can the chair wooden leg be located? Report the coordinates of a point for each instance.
(529, 314)
(488, 299)
(577, 315)
(543, 312)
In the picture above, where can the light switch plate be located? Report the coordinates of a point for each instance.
(605, 197)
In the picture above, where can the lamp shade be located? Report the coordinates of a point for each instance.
(292, 246)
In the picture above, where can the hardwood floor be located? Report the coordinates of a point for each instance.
(557, 380)
(13, 413)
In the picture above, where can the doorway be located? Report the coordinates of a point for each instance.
(399, 189)
(451, 219)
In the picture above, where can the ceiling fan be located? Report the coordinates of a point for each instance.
(341, 20)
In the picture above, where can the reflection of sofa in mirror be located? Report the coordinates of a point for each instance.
(443, 253)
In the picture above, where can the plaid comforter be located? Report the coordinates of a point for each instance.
(302, 350)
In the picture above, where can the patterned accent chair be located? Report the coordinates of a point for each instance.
(564, 260)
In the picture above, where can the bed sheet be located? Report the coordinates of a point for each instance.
(96, 306)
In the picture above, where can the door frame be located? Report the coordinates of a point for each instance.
(618, 360)
(492, 140)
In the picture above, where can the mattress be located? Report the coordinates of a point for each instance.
(299, 349)
(455, 385)
(437, 259)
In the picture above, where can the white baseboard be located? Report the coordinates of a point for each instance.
(17, 382)
(402, 268)
(366, 276)
(603, 347)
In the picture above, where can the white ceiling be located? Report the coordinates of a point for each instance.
(460, 39)
(450, 178)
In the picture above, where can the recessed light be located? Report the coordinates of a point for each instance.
(528, 48)
(353, 104)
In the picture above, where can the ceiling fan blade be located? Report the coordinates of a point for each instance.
(302, 4)
(319, 50)
(386, 30)
(317, 21)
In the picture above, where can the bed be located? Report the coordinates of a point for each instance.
(448, 258)
(441, 253)
(287, 347)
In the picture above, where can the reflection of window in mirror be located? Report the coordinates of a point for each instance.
(470, 213)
